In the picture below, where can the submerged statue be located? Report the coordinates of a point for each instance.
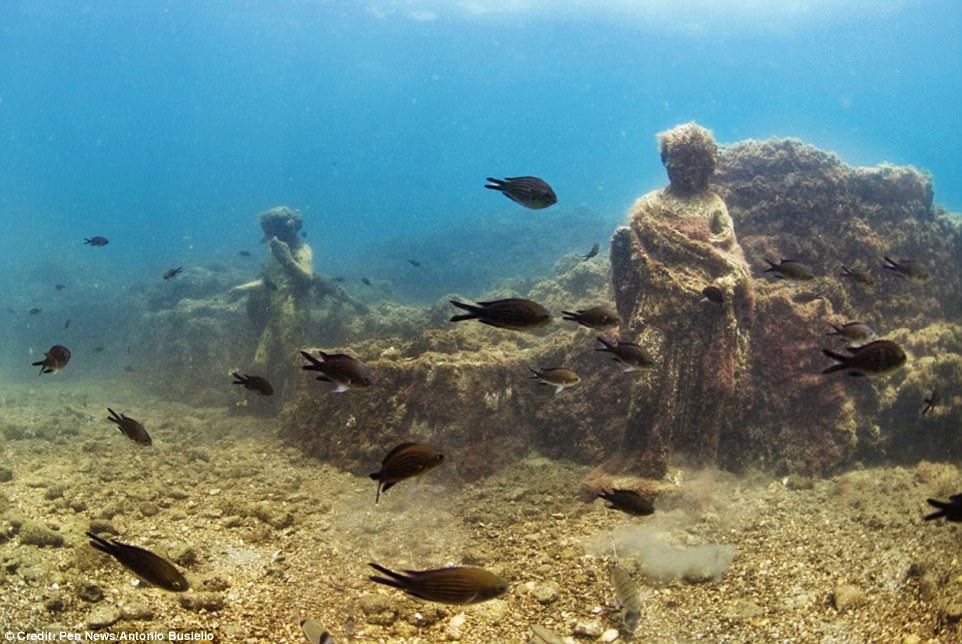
(680, 240)
(279, 303)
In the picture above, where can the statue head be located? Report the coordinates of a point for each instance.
(284, 223)
(689, 153)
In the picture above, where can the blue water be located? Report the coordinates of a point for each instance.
(167, 126)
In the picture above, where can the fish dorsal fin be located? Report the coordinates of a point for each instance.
(396, 450)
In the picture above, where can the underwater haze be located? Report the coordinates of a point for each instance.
(166, 126)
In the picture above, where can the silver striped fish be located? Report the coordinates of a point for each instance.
(626, 594)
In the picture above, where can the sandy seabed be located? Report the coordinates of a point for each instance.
(268, 537)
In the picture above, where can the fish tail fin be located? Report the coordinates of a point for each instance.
(101, 544)
(498, 183)
(472, 311)
(842, 362)
(240, 379)
(940, 506)
(607, 345)
(837, 330)
(772, 266)
(315, 363)
(534, 373)
(568, 315)
(391, 578)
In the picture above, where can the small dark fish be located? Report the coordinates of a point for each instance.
(591, 253)
(129, 369)
(513, 313)
(806, 297)
(54, 360)
(11, 311)
(628, 501)
(131, 428)
(152, 569)
(857, 274)
(244, 253)
(59, 287)
(315, 633)
(456, 585)
(934, 400)
(951, 510)
(171, 273)
(341, 369)
(713, 294)
(557, 377)
(626, 594)
(303, 234)
(530, 192)
(254, 383)
(366, 281)
(35, 311)
(790, 269)
(96, 241)
(99, 349)
(340, 279)
(907, 268)
(415, 263)
(269, 284)
(854, 331)
(403, 462)
(597, 317)
(875, 358)
(629, 354)
(66, 325)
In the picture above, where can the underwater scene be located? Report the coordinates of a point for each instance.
(482, 321)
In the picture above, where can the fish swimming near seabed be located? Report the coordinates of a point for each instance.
(854, 331)
(858, 275)
(628, 501)
(626, 594)
(516, 314)
(633, 356)
(713, 294)
(405, 461)
(790, 269)
(152, 569)
(96, 241)
(315, 633)
(591, 253)
(558, 377)
(906, 268)
(873, 359)
(530, 192)
(171, 273)
(950, 510)
(132, 429)
(806, 297)
(341, 369)
(455, 585)
(54, 360)
(600, 318)
(253, 383)
(933, 400)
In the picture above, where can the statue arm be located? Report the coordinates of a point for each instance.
(300, 268)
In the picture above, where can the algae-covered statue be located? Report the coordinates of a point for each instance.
(680, 240)
(279, 303)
